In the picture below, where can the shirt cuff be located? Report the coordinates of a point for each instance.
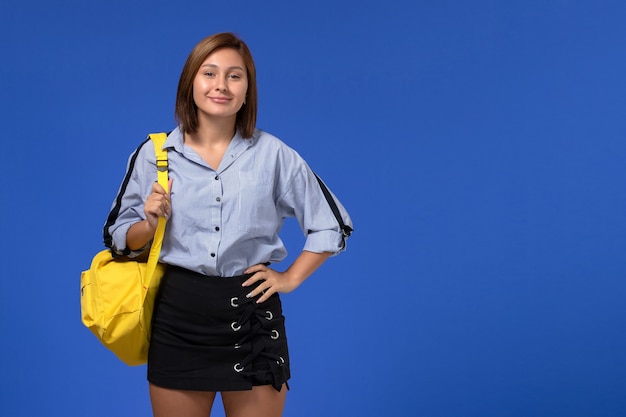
(119, 242)
(325, 241)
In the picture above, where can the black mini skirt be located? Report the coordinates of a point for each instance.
(207, 336)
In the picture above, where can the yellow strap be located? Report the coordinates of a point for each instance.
(158, 140)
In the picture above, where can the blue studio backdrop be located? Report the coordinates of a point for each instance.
(479, 147)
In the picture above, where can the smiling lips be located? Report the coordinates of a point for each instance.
(220, 100)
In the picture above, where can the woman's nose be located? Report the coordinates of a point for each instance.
(221, 85)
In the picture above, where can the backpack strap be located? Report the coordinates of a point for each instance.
(158, 140)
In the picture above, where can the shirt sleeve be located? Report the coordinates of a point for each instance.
(304, 200)
(127, 209)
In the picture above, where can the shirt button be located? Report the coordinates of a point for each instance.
(217, 177)
(218, 199)
(217, 228)
(212, 254)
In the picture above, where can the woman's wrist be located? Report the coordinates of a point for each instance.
(139, 234)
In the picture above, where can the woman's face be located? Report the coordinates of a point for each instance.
(221, 84)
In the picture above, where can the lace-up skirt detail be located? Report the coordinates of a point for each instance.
(207, 336)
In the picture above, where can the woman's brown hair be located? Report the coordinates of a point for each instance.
(186, 110)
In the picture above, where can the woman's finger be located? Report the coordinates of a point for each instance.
(157, 205)
(257, 291)
(258, 273)
(157, 189)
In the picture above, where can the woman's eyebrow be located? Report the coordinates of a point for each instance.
(217, 66)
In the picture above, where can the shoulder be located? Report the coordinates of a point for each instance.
(278, 157)
(266, 139)
(268, 143)
(146, 149)
(143, 157)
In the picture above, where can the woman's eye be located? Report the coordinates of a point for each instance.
(209, 74)
(235, 76)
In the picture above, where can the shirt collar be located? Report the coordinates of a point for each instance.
(176, 140)
(236, 147)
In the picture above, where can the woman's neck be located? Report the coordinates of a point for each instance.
(210, 141)
(213, 132)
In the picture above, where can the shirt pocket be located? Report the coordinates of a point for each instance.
(256, 207)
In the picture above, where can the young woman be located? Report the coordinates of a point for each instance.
(218, 324)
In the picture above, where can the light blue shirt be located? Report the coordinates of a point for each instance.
(225, 220)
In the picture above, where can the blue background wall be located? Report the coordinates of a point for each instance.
(479, 147)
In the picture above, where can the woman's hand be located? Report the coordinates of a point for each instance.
(157, 204)
(273, 281)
